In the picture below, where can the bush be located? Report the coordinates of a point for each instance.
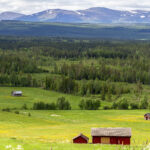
(114, 105)
(82, 104)
(149, 106)
(106, 107)
(17, 112)
(51, 106)
(134, 105)
(6, 109)
(123, 104)
(43, 106)
(29, 114)
(24, 107)
(39, 106)
(89, 104)
(63, 104)
(143, 103)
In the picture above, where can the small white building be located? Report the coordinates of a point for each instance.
(16, 93)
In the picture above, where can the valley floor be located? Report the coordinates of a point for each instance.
(45, 130)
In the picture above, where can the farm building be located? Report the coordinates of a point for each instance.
(16, 93)
(81, 139)
(111, 136)
(147, 116)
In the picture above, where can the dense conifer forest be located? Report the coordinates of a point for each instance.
(75, 66)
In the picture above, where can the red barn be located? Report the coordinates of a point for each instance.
(111, 136)
(81, 139)
(147, 116)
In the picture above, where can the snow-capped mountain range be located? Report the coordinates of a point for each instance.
(91, 15)
(9, 15)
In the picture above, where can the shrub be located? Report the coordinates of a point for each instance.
(17, 112)
(106, 107)
(134, 105)
(114, 105)
(149, 106)
(6, 109)
(24, 107)
(89, 104)
(63, 104)
(96, 104)
(43, 106)
(51, 106)
(29, 114)
(82, 104)
(39, 106)
(103, 95)
(143, 103)
(123, 104)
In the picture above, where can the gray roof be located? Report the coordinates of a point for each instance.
(120, 132)
(83, 136)
(17, 92)
(147, 114)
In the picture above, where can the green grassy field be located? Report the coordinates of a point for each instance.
(46, 130)
(32, 95)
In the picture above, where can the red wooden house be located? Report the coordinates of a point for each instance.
(111, 136)
(81, 139)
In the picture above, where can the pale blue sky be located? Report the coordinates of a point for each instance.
(32, 6)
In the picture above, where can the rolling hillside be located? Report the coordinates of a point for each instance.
(46, 129)
(17, 28)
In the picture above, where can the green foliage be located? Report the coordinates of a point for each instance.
(109, 97)
(63, 104)
(43, 106)
(134, 105)
(103, 94)
(106, 107)
(16, 64)
(149, 106)
(6, 109)
(84, 87)
(114, 105)
(78, 67)
(144, 103)
(121, 104)
(89, 104)
(29, 114)
(24, 107)
(17, 80)
(17, 112)
(64, 84)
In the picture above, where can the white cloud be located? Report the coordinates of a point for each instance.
(31, 6)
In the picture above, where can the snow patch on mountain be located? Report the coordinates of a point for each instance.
(10, 15)
(133, 11)
(91, 15)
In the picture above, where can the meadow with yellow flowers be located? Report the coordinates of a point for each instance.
(54, 129)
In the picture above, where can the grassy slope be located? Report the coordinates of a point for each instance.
(31, 95)
(45, 129)
(56, 128)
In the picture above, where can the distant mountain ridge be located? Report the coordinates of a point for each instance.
(91, 15)
(61, 30)
(10, 15)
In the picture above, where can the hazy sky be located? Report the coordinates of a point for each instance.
(31, 6)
